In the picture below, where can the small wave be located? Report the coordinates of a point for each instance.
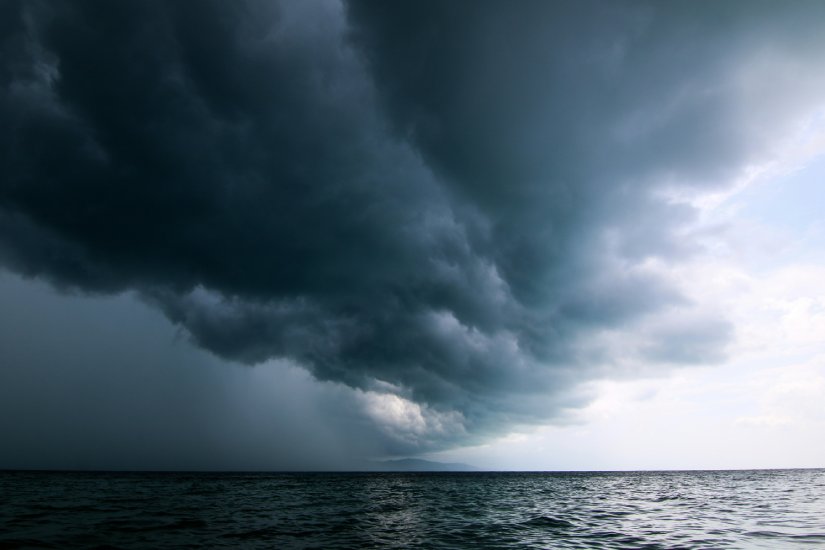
(131, 526)
(547, 521)
(188, 523)
(799, 537)
(269, 533)
(25, 543)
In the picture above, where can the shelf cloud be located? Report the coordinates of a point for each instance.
(466, 208)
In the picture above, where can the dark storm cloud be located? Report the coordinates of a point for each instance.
(436, 198)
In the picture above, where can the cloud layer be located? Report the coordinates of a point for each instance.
(462, 206)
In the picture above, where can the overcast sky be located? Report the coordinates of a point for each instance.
(297, 235)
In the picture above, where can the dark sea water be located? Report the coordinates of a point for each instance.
(739, 509)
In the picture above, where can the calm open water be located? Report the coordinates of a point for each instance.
(740, 509)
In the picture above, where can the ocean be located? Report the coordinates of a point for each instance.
(639, 510)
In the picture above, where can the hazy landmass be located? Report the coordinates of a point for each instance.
(418, 465)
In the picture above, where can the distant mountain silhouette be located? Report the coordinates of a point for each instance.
(419, 465)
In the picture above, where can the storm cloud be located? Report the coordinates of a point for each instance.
(465, 205)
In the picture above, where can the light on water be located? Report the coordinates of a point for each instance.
(713, 509)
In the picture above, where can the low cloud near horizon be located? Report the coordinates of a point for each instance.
(428, 222)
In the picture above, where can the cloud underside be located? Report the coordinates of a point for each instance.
(459, 206)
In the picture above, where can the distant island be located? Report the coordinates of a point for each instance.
(418, 465)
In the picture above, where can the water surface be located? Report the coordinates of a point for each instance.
(724, 509)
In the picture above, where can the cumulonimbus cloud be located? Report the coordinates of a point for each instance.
(455, 201)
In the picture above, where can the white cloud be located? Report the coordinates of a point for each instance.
(407, 421)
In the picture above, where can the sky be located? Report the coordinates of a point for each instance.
(269, 235)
